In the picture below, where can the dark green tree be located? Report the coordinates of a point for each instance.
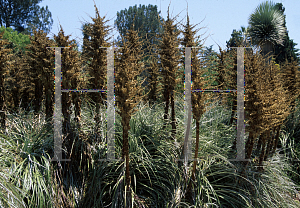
(41, 20)
(25, 15)
(210, 63)
(266, 27)
(148, 22)
(17, 42)
(287, 50)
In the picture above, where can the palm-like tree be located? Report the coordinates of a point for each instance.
(266, 27)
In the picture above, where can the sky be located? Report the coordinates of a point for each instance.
(218, 17)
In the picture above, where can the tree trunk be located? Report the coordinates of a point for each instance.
(269, 140)
(166, 107)
(234, 106)
(125, 156)
(189, 191)
(173, 115)
(196, 150)
(38, 96)
(49, 99)
(77, 102)
(25, 100)
(267, 49)
(276, 139)
(2, 105)
(263, 151)
(249, 149)
(66, 103)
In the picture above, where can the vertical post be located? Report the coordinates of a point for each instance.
(240, 105)
(57, 107)
(188, 105)
(240, 140)
(110, 105)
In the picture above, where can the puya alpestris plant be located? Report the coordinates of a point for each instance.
(41, 62)
(4, 58)
(266, 106)
(169, 57)
(73, 142)
(127, 92)
(71, 63)
(198, 98)
(95, 58)
(291, 76)
(21, 84)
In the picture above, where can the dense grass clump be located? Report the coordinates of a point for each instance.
(29, 179)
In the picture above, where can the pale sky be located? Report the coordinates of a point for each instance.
(219, 17)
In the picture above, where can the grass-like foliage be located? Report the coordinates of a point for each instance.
(29, 179)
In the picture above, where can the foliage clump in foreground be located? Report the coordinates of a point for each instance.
(156, 178)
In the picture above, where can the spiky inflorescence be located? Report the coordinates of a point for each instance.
(12, 85)
(68, 70)
(153, 66)
(198, 71)
(72, 64)
(4, 58)
(97, 68)
(24, 82)
(153, 83)
(41, 62)
(266, 104)
(198, 81)
(127, 91)
(220, 78)
(170, 57)
(72, 79)
(291, 75)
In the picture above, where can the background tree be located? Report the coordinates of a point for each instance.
(86, 30)
(235, 40)
(170, 58)
(267, 27)
(221, 70)
(210, 64)
(17, 41)
(282, 50)
(148, 23)
(287, 50)
(154, 84)
(239, 38)
(42, 20)
(24, 15)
